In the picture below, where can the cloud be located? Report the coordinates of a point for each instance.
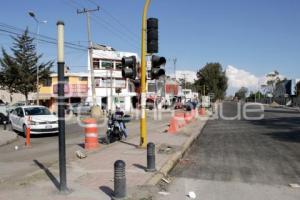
(238, 78)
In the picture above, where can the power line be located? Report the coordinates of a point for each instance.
(117, 33)
(41, 40)
(115, 19)
(120, 35)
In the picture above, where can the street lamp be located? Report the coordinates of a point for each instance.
(38, 22)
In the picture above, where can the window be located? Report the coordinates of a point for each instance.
(47, 82)
(19, 112)
(97, 82)
(37, 111)
(66, 79)
(96, 64)
(83, 78)
(107, 64)
(118, 65)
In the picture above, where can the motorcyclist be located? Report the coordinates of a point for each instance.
(118, 116)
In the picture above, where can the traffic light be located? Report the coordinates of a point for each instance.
(152, 35)
(156, 69)
(129, 67)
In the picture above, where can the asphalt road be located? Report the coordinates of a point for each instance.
(242, 159)
(15, 164)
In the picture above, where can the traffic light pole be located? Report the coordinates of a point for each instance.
(143, 121)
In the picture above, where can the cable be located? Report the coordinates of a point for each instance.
(116, 32)
(104, 23)
(42, 40)
(40, 35)
(115, 19)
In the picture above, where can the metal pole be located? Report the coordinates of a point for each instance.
(61, 110)
(111, 91)
(143, 122)
(37, 66)
(174, 61)
(91, 58)
(95, 108)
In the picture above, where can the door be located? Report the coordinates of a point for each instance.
(13, 117)
(19, 119)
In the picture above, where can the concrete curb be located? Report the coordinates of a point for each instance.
(168, 165)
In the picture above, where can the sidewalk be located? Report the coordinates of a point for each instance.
(92, 178)
(7, 136)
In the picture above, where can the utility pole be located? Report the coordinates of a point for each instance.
(174, 64)
(111, 90)
(38, 22)
(143, 125)
(184, 78)
(96, 112)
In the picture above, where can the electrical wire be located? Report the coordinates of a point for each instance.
(115, 19)
(117, 33)
(46, 39)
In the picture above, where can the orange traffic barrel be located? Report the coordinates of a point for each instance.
(179, 114)
(202, 111)
(173, 126)
(91, 134)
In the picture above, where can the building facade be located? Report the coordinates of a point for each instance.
(76, 90)
(111, 89)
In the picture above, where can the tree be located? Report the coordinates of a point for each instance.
(273, 78)
(241, 93)
(213, 79)
(18, 71)
(185, 84)
(255, 96)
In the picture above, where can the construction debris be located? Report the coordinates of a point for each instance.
(80, 154)
(163, 193)
(166, 180)
(192, 195)
(294, 185)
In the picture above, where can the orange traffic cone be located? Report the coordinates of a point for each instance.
(173, 127)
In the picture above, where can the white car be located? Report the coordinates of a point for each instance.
(38, 118)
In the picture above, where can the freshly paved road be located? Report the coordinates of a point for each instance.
(242, 159)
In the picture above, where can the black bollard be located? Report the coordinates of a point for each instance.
(119, 180)
(151, 157)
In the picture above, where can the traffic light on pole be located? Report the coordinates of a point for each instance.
(152, 35)
(156, 68)
(129, 67)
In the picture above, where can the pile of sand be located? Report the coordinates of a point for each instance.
(274, 104)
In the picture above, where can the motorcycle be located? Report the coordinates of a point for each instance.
(114, 130)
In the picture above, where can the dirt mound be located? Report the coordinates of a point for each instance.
(274, 104)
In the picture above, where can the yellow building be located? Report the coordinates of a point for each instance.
(76, 90)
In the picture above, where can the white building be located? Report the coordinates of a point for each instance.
(109, 81)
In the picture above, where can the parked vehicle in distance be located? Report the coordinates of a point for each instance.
(150, 104)
(4, 109)
(39, 118)
(84, 108)
(3, 119)
(114, 131)
(17, 104)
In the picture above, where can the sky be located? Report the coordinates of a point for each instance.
(251, 36)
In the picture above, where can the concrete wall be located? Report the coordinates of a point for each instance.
(5, 96)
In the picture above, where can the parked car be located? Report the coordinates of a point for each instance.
(84, 108)
(150, 104)
(3, 118)
(17, 104)
(4, 109)
(39, 118)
